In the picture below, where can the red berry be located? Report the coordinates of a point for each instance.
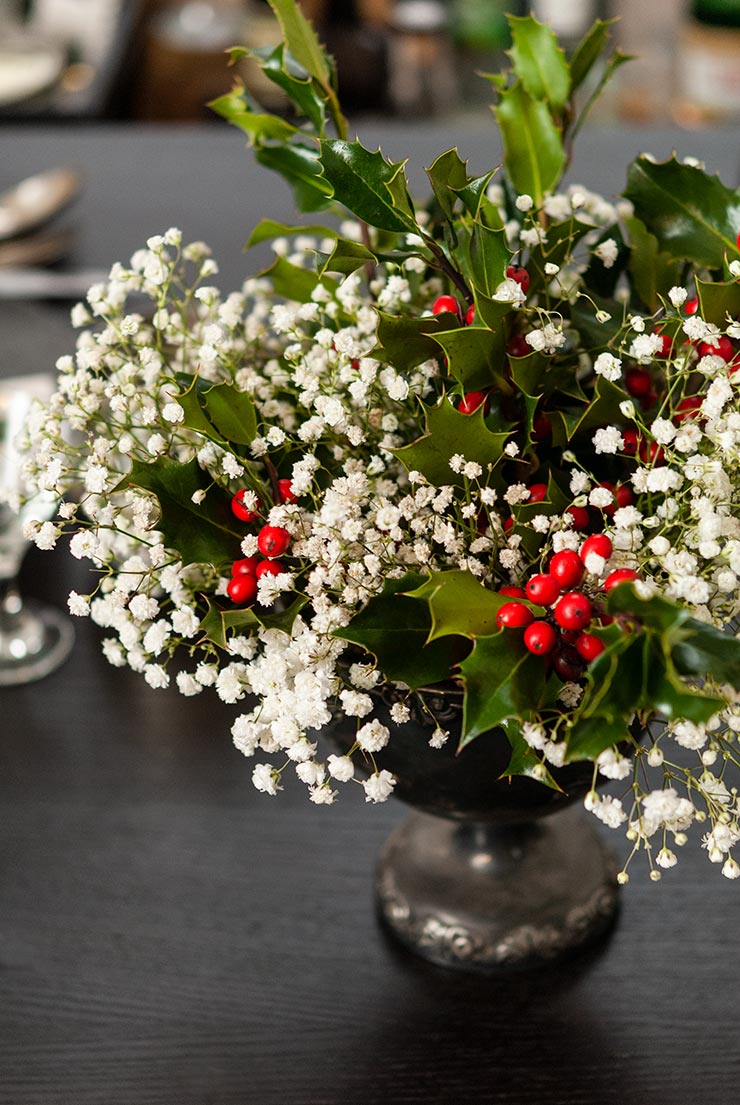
(471, 401)
(516, 272)
(508, 523)
(631, 440)
(445, 303)
(720, 347)
(247, 566)
(624, 495)
(513, 592)
(581, 517)
(619, 575)
(541, 427)
(691, 306)
(573, 611)
(542, 589)
(651, 452)
(470, 315)
(514, 615)
(666, 345)
(588, 646)
(540, 637)
(242, 589)
(688, 407)
(285, 491)
(272, 541)
(638, 382)
(537, 492)
(566, 568)
(518, 346)
(270, 568)
(610, 507)
(245, 513)
(599, 544)
(568, 664)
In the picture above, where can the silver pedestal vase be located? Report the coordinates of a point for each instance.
(487, 873)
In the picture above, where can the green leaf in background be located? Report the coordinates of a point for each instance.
(279, 68)
(448, 432)
(473, 356)
(371, 187)
(459, 604)
(405, 342)
(588, 51)
(533, 148)
(654, 271)
(202, 534)
(539, 61)
(191, 402)
(693, 215)
(394, 628)
(302, 41)
(717, 301)
(502, 680)
(294, 282)
(300, 166)
(259, 126)
(594, 334)
(232, 413)
(267, 229)
(561, 239)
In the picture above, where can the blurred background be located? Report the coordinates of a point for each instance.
(163, 60)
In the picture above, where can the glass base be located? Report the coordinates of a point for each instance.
(33, 643)
(484, 897)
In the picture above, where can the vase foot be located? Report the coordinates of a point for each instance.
(483, 897)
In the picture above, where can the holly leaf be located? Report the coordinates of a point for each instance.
(502, 680)
(395, 628)
(654, 271)
(232, 413)
(472, 354)
(405, 342)
(539, 61)
(588, 51)
(217, 622)
(489, 257)
(191, 401)
(533, 148)
(718, 300)
(348, 256)
(267, 229)
(203, 534)
(300, 167)
(590, 736)
(371, 187)
(447, 174)
(281, 69)
(449, 432)
(693, 215)
(302, 41)
(294, 282)
(459, 605)
(257, 125)
(524, 760)
(558, 245)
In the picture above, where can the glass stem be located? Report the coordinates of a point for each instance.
(11, 603)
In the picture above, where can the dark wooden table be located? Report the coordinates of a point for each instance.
(170, 937)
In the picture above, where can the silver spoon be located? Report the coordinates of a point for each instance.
(36, 200)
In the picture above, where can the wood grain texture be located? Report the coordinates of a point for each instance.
(170, 937)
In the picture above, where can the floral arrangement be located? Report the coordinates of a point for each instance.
(491, 441)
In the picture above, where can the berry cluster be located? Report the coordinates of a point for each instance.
(272, 542)
(562, 635)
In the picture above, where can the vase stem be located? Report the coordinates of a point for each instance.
(484, 897)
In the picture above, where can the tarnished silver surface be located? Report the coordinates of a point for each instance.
(486, 897)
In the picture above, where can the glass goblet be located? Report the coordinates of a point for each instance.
(34, 638)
